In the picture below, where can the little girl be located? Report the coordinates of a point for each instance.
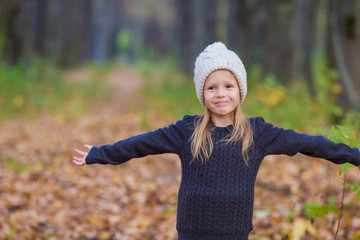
(220, 151)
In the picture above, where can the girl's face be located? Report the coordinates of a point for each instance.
(221, 94)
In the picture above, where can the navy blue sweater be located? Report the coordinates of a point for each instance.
(215, 199)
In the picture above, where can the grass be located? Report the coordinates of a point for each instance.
(31, 88)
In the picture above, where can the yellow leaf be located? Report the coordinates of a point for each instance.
(144, 223)
(105, 235)
(300, 227)
(150, 185)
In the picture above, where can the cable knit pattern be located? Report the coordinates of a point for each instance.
(215, 200)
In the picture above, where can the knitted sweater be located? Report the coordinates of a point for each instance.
(215, 199)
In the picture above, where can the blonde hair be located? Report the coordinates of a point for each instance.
(202, 144)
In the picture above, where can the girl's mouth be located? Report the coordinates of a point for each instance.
(221, 102)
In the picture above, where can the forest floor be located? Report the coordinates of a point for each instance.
(44, 196)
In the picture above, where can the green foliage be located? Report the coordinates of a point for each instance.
(341, 134)
(254, 75)
(315, 210)
(326, 87)
(144, 124)
(11, 233)
(27, 89)
(351, 119)
(123, 40)
(355, 187)
(290, 215)
(170, 211)
(16, 165)
(338, 134)
(290, 107)
(271, 80)
(260, 238)
(293, 106)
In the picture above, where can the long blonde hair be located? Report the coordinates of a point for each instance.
(202, 144)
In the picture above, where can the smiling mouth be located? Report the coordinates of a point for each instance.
(221, 102)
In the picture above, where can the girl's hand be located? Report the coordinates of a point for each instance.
(80, 161)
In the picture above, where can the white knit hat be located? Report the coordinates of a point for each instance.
(215, 57)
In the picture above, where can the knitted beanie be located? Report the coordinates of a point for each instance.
(215, 57)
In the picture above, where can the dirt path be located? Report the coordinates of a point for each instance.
(125, 84)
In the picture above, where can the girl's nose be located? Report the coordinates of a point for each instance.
(220, 93)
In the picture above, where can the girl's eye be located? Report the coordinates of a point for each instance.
(211, 88)
(229, 86)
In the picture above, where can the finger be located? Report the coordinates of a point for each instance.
(80, 152)
(88, 147)
(78, 159)
(78, 163)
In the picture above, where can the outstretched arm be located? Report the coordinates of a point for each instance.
(169, 139)
(80, 161)
(274, 140)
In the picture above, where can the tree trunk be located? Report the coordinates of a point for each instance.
(102, 26)
(4, 23)
(239, 30)
(54, 31)
(185, 33)
(340, 60)
(84, 29)
(270, 57)
(357, 43)
(10, 39)
(40, 27)
(205, 26)
(209, 13)
(319, 38)
(118, 22)
(301, 38)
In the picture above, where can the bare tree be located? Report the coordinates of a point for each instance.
(340, 60)
(184, 31)
(239, 28)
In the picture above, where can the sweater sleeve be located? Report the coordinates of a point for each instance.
(274, 140)
(169, 139)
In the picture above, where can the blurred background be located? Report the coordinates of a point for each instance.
(314, 44)
(91, 71)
